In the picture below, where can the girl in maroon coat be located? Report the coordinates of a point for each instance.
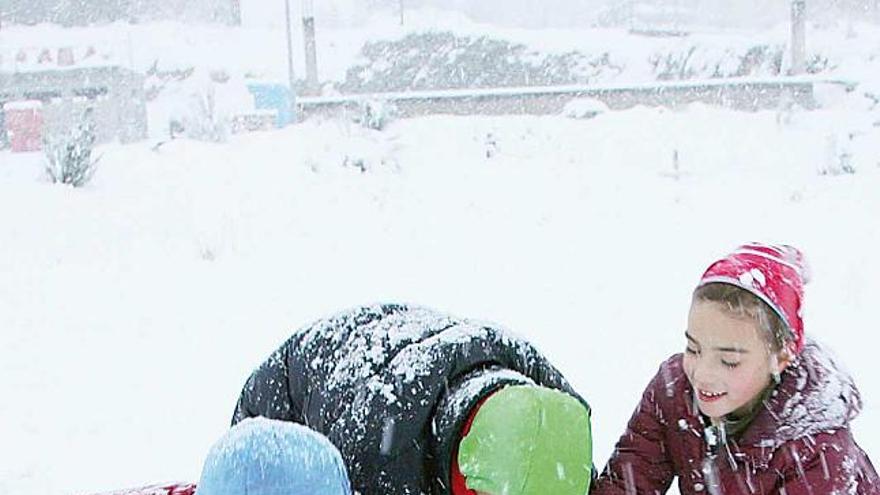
(751, 407)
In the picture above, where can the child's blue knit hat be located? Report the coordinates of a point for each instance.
(266, 457)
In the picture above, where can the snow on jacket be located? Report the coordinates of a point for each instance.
(799, 442)
(392, 386)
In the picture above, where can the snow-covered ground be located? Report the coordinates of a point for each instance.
(132, 310)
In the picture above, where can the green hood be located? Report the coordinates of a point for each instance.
(528, 440)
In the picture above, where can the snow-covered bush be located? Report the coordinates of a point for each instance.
(204, 122)
(69, 158)
(364, 150)
(584, 108)
(838, 155)
(357, 162)
(444, 60)
(202, 105)
(365, 161)
(376, 114)
(673, 65)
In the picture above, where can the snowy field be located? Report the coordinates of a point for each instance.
(132, 310)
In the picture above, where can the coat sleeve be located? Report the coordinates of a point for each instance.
(267, 391)
(640, 462)
(826, 463)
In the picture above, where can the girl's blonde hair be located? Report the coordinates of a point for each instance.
(743, 304)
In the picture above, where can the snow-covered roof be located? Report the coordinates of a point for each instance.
(67, 81)
(22, 105)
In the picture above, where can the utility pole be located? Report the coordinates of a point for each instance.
(235, 14)
(401, 12)
(308, 20)
(291, 81)
(798, 36)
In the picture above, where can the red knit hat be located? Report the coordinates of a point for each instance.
(775, 273)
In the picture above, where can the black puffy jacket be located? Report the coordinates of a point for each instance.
(391, 386)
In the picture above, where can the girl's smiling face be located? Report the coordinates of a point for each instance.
(727, 360)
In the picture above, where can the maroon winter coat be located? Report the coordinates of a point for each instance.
(798, 443)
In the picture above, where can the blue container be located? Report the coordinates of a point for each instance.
(274, 96)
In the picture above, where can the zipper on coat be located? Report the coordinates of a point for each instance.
(715, 437)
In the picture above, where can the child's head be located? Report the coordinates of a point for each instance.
(744, 326)
(528, 440)
(260, 456)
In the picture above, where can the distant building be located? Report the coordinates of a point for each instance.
(111, 97)
(85, 12)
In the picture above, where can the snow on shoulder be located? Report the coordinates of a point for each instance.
(825, 396)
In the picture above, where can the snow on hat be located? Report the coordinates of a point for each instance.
(260, 456)
(528, 440)
(774, 273)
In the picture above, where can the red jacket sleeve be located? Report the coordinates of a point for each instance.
(640, 462)
(825, 463)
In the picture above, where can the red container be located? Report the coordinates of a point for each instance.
(24, 125)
